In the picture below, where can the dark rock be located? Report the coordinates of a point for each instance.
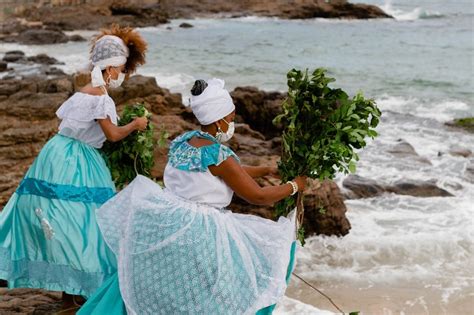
(44, 59)
(57, 85)
(14, 56)
(418, 189)
(185, 25)
(405, 150)
(53, 71)
(3, 66)
(42, 37)
(258, 109)
(3, 284)
(301, 9)
(466, 124)
(136, 86)
(324, 209)
(362, 187)
(340, 9)
(460, 151)
(76, 38)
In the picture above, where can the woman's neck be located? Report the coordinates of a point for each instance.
(211, 129)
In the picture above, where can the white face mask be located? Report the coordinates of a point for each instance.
(116, 83)
(224, 137)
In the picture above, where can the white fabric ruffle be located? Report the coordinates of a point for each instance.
(79, 114)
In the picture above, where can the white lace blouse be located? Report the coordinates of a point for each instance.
(78, 116)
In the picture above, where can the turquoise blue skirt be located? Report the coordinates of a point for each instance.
(107, 300)
(49, 237)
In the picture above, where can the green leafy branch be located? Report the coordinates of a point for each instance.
(322, 128)
(134, 154)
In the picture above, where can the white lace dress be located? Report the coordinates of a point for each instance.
(180, 252)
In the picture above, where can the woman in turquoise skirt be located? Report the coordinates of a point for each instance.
(180, 250)
(49, 236)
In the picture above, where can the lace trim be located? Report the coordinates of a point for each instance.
(185, 157)
(32, 186)
(42, 274)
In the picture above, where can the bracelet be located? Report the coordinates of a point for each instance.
(294, 186)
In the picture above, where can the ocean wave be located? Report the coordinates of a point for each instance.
(289, 306)
(440, 110)
(416, 14)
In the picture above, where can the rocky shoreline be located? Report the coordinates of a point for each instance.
(27, 108)
(46, 24)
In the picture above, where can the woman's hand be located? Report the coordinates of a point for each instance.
(140, 123)
(301, 182)
(273, 171)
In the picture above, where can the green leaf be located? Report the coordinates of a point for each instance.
(322, 127)
(136, 150)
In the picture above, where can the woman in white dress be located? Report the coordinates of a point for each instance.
(179, 250)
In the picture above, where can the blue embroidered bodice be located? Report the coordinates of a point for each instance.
(185, 157)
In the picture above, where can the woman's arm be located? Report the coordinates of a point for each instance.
(258, 171)
(237, 178)
(114, 133)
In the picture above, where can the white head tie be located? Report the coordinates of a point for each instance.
(109, 51)
(213, 103)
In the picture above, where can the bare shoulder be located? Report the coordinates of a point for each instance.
(89, 89)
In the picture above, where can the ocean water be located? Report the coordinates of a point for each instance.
(404, 255)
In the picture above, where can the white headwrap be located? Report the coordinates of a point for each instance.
(109, 51)
(213, 103)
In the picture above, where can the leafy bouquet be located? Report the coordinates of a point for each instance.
(322, 127)
(134, 154)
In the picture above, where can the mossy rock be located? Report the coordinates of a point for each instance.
(464, 123)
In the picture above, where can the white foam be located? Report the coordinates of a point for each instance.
(415, 14)
(441, 110)
(401, 241)
(175, 82)
(291, 306)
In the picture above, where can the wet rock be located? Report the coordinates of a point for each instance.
(76, 38)
(53, 71)
(3, 66)
(41, 37)
(405, 150)
(418, 189)
(44, 59)
(361, 187)
(302, 9)
(460, 151)
(466, 124)
(258, 109)
(333, 9)
(14, 56)
(324, 208)
(93, 17)
(186, 25)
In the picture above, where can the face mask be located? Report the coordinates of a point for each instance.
(224, 137)
(116, 83)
